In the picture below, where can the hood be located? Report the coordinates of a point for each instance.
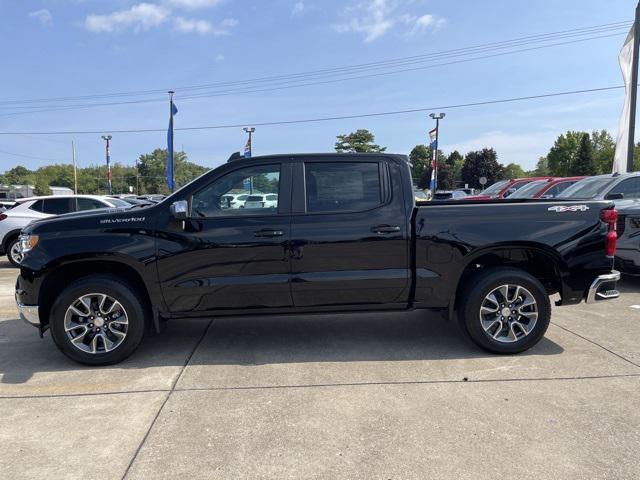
(85, 219)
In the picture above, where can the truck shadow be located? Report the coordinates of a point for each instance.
(379, 337)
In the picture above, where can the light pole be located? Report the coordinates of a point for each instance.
(247, 147)
(434, 150)
(107, 138)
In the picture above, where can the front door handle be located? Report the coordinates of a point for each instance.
(268, 233)
(385, 229)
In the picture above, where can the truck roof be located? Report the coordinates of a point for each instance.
(332, 155)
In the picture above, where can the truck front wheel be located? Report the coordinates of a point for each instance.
(505, 310)
(98, 320)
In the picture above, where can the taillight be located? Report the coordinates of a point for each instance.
(2, 216)
(610, 217)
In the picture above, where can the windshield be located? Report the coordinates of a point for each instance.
(495, 188)
(587, 188)
(529, 190)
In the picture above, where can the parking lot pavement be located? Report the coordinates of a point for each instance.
(359, 396)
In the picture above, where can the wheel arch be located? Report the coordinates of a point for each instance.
(539, 260)
(59, 277)
(10, 235)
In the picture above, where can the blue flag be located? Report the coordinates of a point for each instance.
(170, 182)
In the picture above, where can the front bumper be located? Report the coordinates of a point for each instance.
(29, 313)
(604, 287)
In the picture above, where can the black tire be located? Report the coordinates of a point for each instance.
(120, 290)
(473, 296)
(10, 245)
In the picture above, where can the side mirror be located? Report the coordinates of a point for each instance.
(179, 209)
(614, 196)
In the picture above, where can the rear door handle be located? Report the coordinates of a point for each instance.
(268, 233)
(385, 229)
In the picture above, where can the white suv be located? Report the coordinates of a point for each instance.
(34, 208)
(268, 200)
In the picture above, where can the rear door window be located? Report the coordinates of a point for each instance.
(89, 204)
(57, 206)
(342, 186)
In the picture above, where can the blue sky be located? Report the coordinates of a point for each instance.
(71, 48)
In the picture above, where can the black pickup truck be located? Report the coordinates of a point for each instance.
(296, 234)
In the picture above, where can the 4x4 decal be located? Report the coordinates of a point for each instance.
(568, 208)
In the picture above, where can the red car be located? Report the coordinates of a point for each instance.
(546, 188)
(504, 188)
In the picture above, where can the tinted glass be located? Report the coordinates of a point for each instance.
(529, 190)
(342, 186)
(587, 188)
(57, 206)
(496, 187)
(630, 188)
(557, 189)
(37, 206)
(215, 199)
(88, 204)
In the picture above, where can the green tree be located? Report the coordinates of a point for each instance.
(562, 155)
(445, 181)
(604, 148)
(359, 141)
(513, 170)
(420, 159)
(583, 163)
(19, 176)
(152, 169)
(42, 187)
(481, 163)
(455, 160)
(541, 170)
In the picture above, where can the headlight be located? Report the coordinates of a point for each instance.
(28, 242)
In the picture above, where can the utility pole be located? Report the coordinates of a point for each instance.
(75, 169)
(634, 90)
(137, 177)
(247, 147)
(434, 151)
(107, 138)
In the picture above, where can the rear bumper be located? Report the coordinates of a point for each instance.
(603, 287)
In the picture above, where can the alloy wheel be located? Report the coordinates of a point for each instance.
(508, 313)
(96, 323)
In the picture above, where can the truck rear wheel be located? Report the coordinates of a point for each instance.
(505, 310)
(98, 320)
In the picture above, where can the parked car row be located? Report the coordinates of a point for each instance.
(27, 210)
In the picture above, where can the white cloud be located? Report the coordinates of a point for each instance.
(419, 24)
(145, 16)
(521, 148)
(142, 16)
(297, 9)
(370, 18)
(43, 16)
(188, 25)
(375, 18)
(193, 4)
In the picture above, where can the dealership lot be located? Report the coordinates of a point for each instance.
(360, 396)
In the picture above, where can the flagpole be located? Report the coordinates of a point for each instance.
(634, 90)
(172, 186)
(75, 169)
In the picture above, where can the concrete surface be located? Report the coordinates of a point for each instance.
(389, 396)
